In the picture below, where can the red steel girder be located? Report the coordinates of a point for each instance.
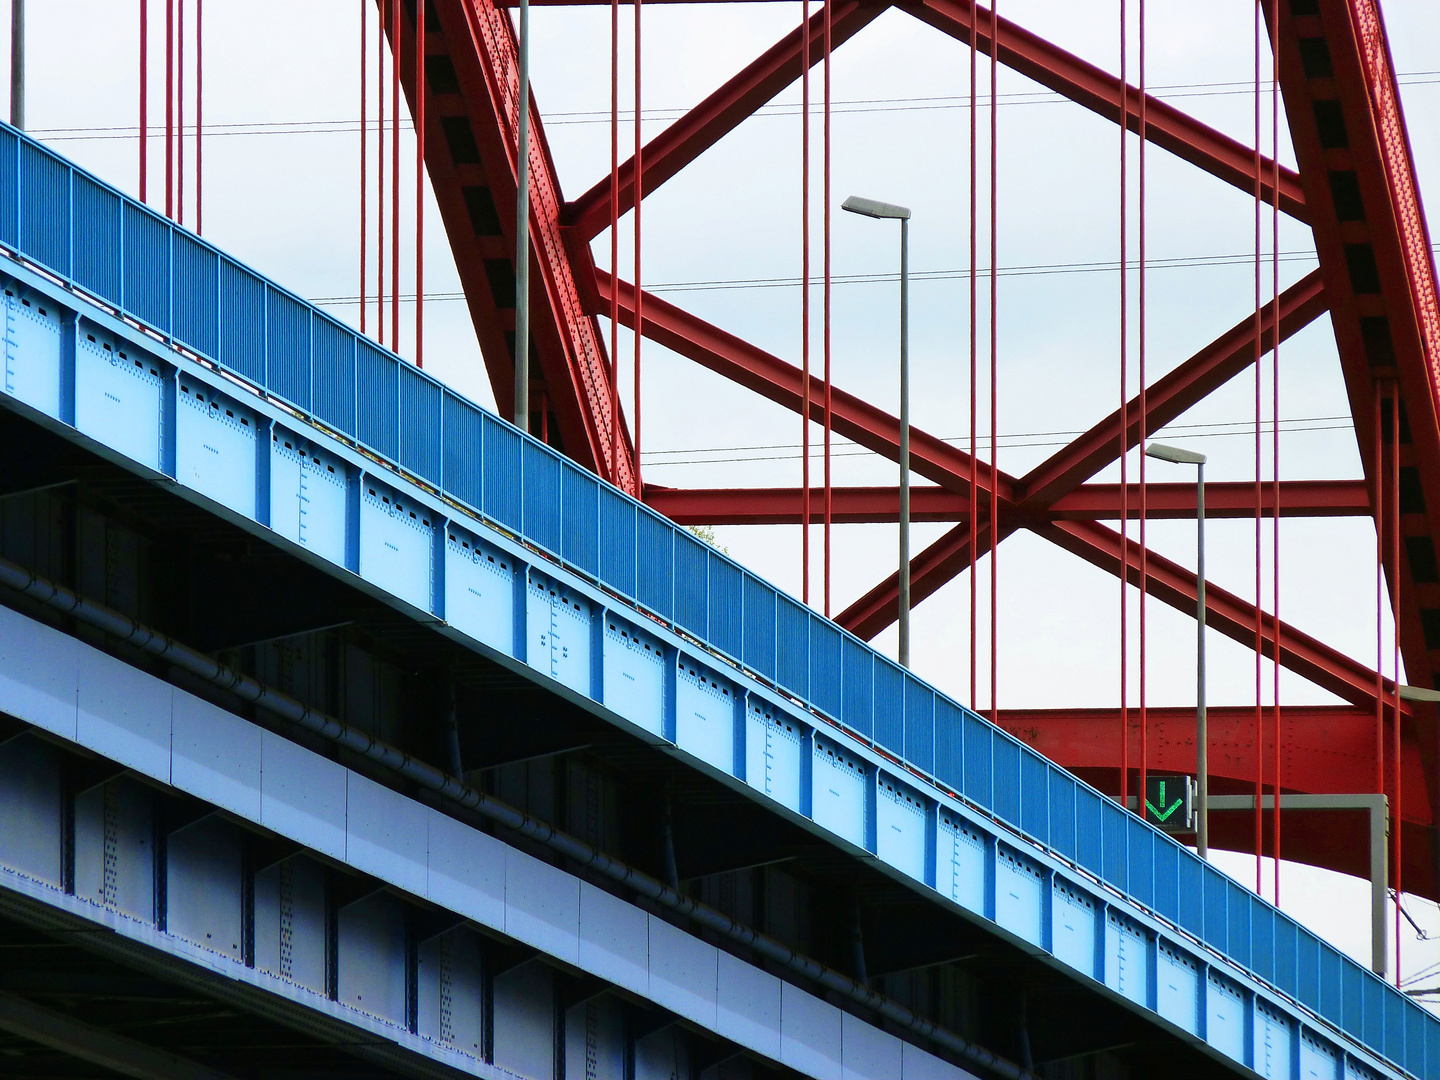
(929, 570)
(719, 114)
(1089, 502)
(1323, 749)
(470, 150)
(1099, 91)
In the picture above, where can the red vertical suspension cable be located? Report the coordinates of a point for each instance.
(170, 108)
(180, 115)
(1379, 503)
(364, 147)
(1275, 417)
(994, 357)
(1124, 417)
(144, 94)
(199, 114)
(615, 243)
(380, 174)
(829, 491)
(974, 356)
(639, 194)
(1144, 428)
(419, 183)
(395, 175)
(1396, 821)
(805, 302)
(1259, 495)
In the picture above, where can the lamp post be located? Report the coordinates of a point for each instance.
(890, 212)
(1175, 455)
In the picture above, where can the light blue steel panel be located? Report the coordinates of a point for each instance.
(115, 848)
(450, 991)
(124, 714)
(1225, 1016)
(1274, 1043)
(1355, 1071)
(634, 675)
(524, 1021)
(307, 495)
(1019, 895)
(39, 677)
(705, 715)
(386, 834)
(1318, 1060)
(1177, 988)
(396, 547)
(466, 870)
(117, 397)
(542, 906)
(772, 753)
(614, 939)
(595, 1040)
(916, 1064)
(302, 795)
(215, 446)
(1072, 932)
(748, 1006)
(683, 972)
(810, 1034)
(837, 793)
(480, 590)
(204, 886)
(1127, 957)
(960, 863)
(215, 755)
(866, 1052)
(370, 962)
(32, 352)
(558, 633)
(900, 827)
(291, 933)
(31, 810)
(663, 1055)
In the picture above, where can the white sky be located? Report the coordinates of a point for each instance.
(281, 193)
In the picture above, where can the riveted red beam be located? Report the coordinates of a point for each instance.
(774, 379)
(1202, 374)
(1226, 613)
(1100, 92)
(720, 113)
(1089, 502)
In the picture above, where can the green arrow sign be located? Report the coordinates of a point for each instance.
(1163, 815)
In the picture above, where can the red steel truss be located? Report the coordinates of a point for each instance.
(1354, 187)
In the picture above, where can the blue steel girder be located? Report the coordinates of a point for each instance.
(397, 523)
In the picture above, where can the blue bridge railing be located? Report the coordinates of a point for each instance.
(105, 244)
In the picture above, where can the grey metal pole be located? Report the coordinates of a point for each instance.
(1202, 727)
(522, 231)
(1379, 884)
(905, 442)
(17, 63)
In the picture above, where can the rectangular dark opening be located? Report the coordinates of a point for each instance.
(1345, 191)
(1300, 8)
(1421, 552)
(480, 204)
(1430, 623)
(440, 74)
(502, 281)
(1379, 347)
(1330, 122)
(1315, 58)
(461, 140)
(1364, 273)
(1412, 499)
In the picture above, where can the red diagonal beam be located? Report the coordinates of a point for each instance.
(720, 113)
(1209, 369)
(772, 378)
(1090, 502)
(1099, 91)
(1172, 584)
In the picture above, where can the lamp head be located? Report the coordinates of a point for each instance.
(1173, 454)
(875, 209)
(1418, 693)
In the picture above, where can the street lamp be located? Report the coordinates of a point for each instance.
(1176, 456)
(889, 212)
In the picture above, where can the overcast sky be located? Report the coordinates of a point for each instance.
(723, 240)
